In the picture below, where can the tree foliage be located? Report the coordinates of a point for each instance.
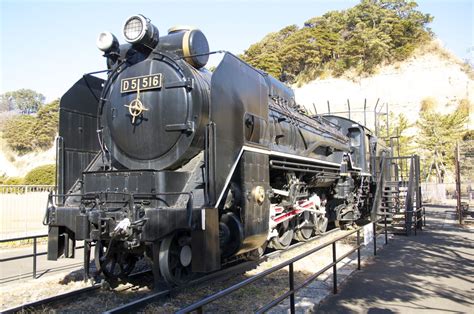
(437, 138)
(25, 100)
(24, 133)
(359, 38)
(398, 125)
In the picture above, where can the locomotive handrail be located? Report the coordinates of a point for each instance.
(379, 187)
(198, 306)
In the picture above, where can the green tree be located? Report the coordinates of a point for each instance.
(265, 54)
(46, 125)
(360, 38)
(26, 100)
(19, 133)
(467, 156)
(437, 138)
(24, 133)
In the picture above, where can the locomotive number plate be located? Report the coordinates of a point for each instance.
(145, 82)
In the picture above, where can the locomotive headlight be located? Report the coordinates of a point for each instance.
(139, 30)
(106, 41)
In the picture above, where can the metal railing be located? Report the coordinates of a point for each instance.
(198, 306)
(416, 221)
(35, 253)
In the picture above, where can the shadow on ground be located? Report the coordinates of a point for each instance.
(414, 269)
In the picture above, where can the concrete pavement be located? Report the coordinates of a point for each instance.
(429, 273)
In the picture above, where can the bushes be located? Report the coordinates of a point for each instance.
(4, 180)
(42, 175)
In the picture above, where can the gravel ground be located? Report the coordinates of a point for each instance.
(259, 293)
(19, 293)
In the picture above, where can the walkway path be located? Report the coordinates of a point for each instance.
(430, 273)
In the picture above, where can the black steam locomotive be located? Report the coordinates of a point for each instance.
(196, 169)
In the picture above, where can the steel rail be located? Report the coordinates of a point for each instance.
(31, 305)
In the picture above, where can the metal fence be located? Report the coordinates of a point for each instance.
(22, 209)
(445, 193)
(34, 255)
(198, 306)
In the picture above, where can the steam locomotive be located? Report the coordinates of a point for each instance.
(195, 169)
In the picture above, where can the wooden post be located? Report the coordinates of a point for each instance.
(458, 183)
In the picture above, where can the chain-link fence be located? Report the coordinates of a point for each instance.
(22, 209)
(445, 193)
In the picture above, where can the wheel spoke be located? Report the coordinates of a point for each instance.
(178, 272)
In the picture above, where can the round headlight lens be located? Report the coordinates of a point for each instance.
(134, 28)
(105, 41)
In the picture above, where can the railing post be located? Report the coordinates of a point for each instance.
(358, 249)
(87, 258)
(34, 257)
(334, 269)
(199, 310)
(424, 217)
(406, 223)
(375, 238)
(421, 218)
(292, 287)
(416, 221)
(385, 226)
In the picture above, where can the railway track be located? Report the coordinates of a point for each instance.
(164, 291)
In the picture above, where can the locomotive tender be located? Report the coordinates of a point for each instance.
(196, 169)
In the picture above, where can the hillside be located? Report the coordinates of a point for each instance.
(431, 72)
(14, 165)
